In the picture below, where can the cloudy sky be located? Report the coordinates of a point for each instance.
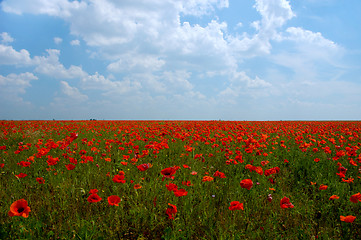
(180, 59)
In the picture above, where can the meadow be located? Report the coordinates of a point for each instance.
(180, 180)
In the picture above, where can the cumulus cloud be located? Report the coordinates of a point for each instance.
(58, 40)
(136, 62)
(50, 65)
(6, 38)
(202, 7)
(60, 8)
(9, 56)
(308, 54)
(274, 13)
(156, 58)
(242, 85)
(149, 35)
(196, 47)
(72, 92)
(299, 34)
(75, 42)
(99, 82)
(13, 85)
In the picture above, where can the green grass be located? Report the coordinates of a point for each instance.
(60, 210)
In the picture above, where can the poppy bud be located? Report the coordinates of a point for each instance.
(269, 198)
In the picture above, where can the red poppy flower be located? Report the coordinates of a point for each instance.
(143, 167)
(21, 175)
(94, 198)
(24, 164)
(19, 208)
(219, 174)
(323, 187)
(334, 197)
(246, 183)
(114, 200)
(285, 203)
(356, 198)
(168, 172)
(207, 179)
(271, 171)
(187, 183)
(70, 166)
(235, 205)
(171, 211)
(92, 191)
(180, 192)
(349, 180)
(348, 219)
(171, 187)
(137, 186)
(40, 180)
(119, 179)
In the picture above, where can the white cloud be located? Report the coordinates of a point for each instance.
(9, 56)
(99, 82)
(157, 59)
(60, 8)
(13, 85)
(6, 38)
(50, 65)
(202, 7)
(241, 84)
(199, 48)
(58, 40)
(75, 42)
(308, 53)
(300, 35)
(135, 62)
(72, 92)
(275, 13)
(119, 27)
(178, 81)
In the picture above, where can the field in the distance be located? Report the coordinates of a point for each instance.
(180, 180)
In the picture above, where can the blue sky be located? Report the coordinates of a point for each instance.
(180, 59)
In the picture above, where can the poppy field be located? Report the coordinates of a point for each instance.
(180, 180)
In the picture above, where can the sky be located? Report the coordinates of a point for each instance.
(180, 59)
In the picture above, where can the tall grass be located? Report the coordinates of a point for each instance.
(60, 208)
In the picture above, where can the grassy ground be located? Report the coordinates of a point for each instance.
(303, 161)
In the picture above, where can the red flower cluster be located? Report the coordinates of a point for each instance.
(171, 211)
(94, 197)
(271, 171)
(219, 174)
(177, 192)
